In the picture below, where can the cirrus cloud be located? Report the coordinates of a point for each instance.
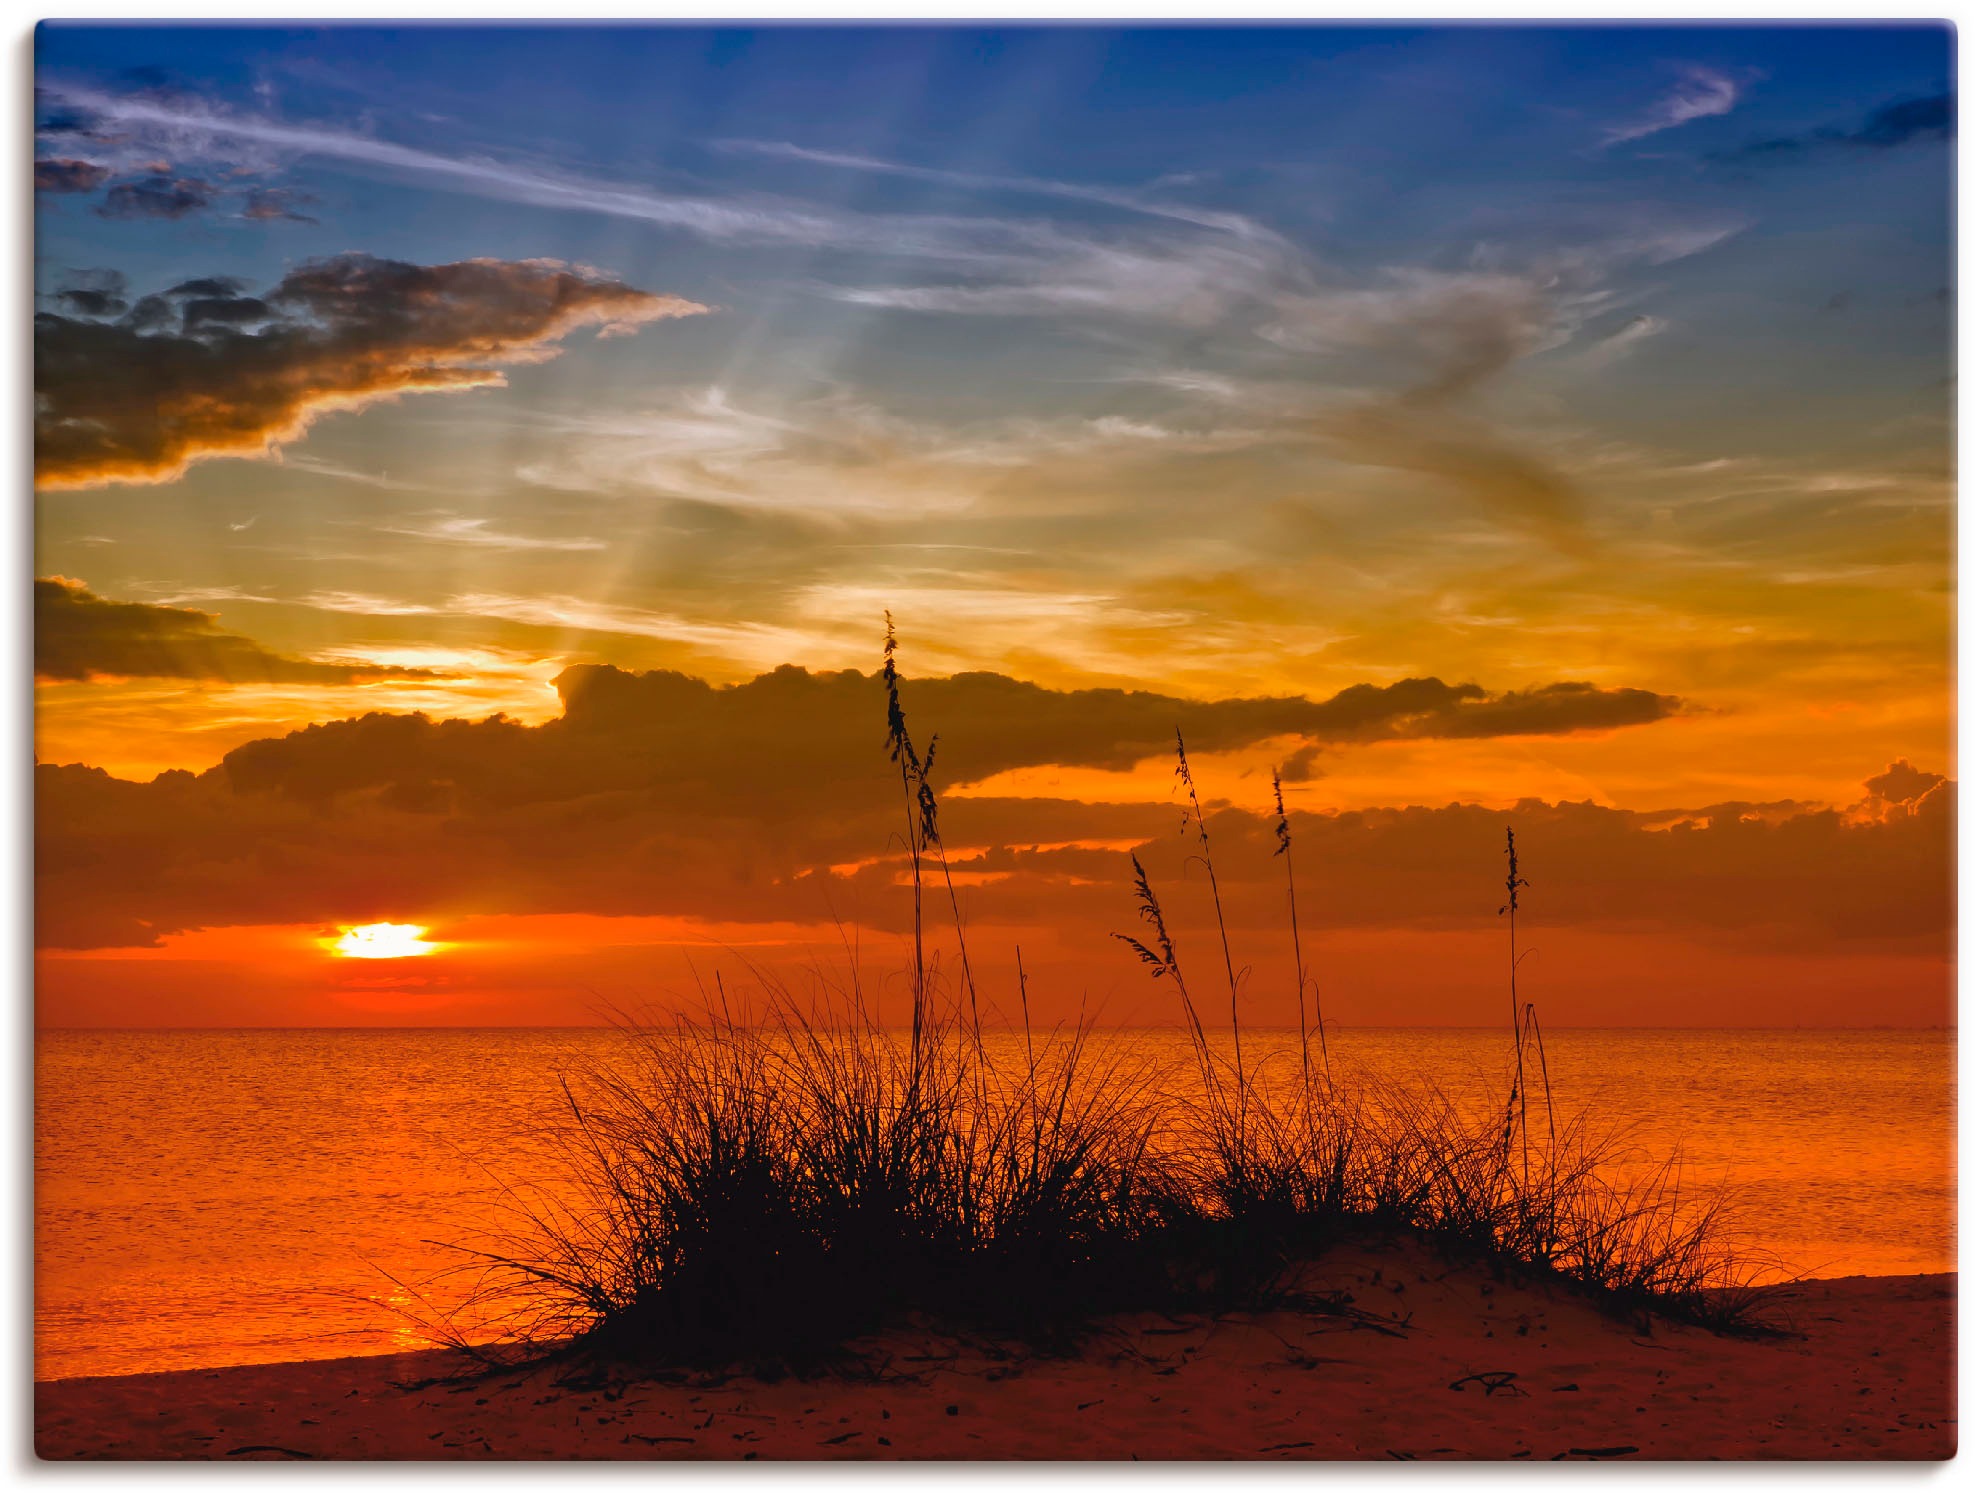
(1701, 93)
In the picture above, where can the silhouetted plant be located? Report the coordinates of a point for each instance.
(1188, 781)
(767, 1189)
(1282, 833)
(924, 822)
(1510, 912)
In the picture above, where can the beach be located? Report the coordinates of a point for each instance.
(1425, 1359)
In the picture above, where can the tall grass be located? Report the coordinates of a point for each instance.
(767, 1185)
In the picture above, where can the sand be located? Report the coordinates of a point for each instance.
(1436, 1362)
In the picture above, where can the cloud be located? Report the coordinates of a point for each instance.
(842, 456)
(79, 635)
(58, 174)
(1614, 345)
(1701, 93)
(1454, 333)
(1547, 710)
(665, 731)
(1302, 766)
(992, 264)
(1126, 201)
(93, 293)
(475, 533)
(1886, 127)
(197, 129)
(157, 197)
(1901, 783)
(1189, 282)
(991, 723)
(277, 204)
(773, 801)
(1902, 122)
(204, 370)
(1445, 338)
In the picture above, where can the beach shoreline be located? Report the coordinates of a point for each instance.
(1435, 1360)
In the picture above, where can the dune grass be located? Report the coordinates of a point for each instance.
(766, 1185)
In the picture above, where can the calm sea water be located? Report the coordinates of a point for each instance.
(212, 1198)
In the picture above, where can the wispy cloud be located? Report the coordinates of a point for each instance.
(838, 457)
(1615, 345)
(1127, 201)
(1701, 93)
(989, 263)
(1190, 284)
(757, 644)
(197, 129)
(1446, 337)
(446, 528)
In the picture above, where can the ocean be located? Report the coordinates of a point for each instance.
(208, 1198)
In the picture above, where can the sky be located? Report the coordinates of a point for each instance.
(473, 465)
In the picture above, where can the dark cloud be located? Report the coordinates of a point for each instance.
(52, 121)
(80, 635)
(1302, 766)
(208, 287)
(157, 197)
(203, 370)
(91, 302)
(199, 313)
(1904, 121)
(653, 793)
(989, 723)
(1886, 127)
(1547, 711)
(57, 174)
(793, 732)
(1901, 783)
(92, 293)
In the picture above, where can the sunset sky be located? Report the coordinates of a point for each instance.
(1527, 427)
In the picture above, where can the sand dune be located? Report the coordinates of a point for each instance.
(1435, 1362)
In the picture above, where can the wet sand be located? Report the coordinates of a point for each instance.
(1433, 1361)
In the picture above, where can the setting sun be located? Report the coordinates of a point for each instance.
(384, 941)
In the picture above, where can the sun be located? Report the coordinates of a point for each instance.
(384, 941)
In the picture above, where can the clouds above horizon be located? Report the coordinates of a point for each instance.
(79, 635)
(792, 730)
(773, 802)
(204, 369)
(786, 773)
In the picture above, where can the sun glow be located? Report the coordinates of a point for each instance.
(384, 941)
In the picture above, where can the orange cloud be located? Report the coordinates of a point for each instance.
(659, 795)
(205, 370)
